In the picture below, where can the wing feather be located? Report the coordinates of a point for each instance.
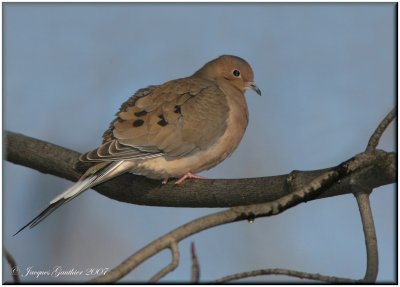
(175, 119)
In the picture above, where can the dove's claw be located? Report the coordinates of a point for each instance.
(189, 175)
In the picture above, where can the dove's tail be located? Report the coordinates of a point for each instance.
(94, 176)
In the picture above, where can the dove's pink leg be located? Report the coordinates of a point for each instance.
(189, 175)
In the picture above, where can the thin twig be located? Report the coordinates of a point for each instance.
(286, 272)
(195, 277)
(13, 265)
(370, 236)
(171, 267)
(309, 191)
(374, 140)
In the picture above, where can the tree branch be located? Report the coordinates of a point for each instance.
(371, 243)
(171, 267)
(371, 246)
(364, 206)
(313, 189)
(13, 265)
(368, 227)
(52, 159)
(374, 140)
(195, 276)
(286, 272)
(365, 171)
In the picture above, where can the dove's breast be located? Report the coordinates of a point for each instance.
(200, 160)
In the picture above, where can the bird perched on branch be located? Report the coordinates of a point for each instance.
(172, 130)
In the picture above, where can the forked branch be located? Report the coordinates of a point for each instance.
(171, 267)
(311, 190)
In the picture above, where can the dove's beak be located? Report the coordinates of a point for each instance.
(254, 87)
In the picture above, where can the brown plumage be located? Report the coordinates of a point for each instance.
(175, 129)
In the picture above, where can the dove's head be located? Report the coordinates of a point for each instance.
(232, 70)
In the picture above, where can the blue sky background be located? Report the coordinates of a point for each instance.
(327, 73)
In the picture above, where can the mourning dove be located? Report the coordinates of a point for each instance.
(173, 130)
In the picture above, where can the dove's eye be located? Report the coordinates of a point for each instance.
(236, 73)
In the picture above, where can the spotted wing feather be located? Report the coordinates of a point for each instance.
(175, 119)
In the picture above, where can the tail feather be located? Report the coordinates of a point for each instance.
(78, 188)
(46, 212)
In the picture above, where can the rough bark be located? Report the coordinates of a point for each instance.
(52, 159)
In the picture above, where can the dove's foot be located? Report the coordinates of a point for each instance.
(189, 175)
